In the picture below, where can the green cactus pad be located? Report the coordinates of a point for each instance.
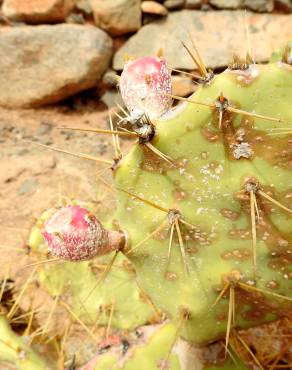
(229, 365)
(14, 350)
(209, 184)
(147, 356)
(158, 348)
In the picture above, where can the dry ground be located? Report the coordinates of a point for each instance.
(33, 179)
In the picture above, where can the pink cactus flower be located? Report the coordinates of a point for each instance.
(144, 84)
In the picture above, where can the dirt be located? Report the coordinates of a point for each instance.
(33, 178)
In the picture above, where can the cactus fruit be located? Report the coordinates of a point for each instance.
(73, 233)
(115, 297)
(143, 85)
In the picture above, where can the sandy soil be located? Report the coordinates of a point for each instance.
(33, 179)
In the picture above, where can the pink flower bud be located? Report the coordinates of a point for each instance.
(144, 84)
(74, 234)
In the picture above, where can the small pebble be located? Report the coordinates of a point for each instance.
(45, 128)
(75, 18)
(110, 78)
(153, 7)
(28, 186)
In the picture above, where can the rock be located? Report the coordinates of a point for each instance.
(174, 4)
(28, 186)
(259, 5)
(193, 4)
(206, 7)
(117, 17)
(226, 4)
(111, 98)
(53, 62)
(182, 85)
(37, 11)
(44, 128)
(75, 18)
(84, 6)
(110, 78)
(284, 5)
(152, 7)
(218, 35)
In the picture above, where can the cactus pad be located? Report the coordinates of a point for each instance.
(217, 217)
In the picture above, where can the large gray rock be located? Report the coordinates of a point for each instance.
(218, 35)
(45, 64)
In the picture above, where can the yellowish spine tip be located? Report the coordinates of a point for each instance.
(160, 53)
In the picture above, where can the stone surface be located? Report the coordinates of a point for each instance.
(84, 6)
(110, 78)
(111, 98)
(53, 62)
(218, 35)
(205, 6)
(117, 17)
(75, 18)
(37, 11)
(193, 4)
(152, 7)
(182, 85)
(284, 5)
(259, 5)
(174, 4)
(28, 186)
(226, 4)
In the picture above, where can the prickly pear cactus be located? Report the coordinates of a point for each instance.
(215, 216)
(202, 229)
(157, 347)
(13, 349)
(146, 349)
(204, 196)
